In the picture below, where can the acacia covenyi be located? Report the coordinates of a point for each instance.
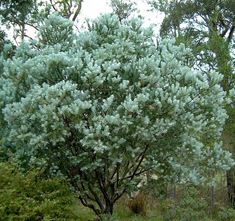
(104, 106)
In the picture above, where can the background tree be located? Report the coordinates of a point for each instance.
(123, 8)
(6, 52)
(109, 104)
(22, 15)
(67, 8)
(206, 26)
(17, 15)
(2, 40)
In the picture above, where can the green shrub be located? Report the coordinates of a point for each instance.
(28, 197)
(156, 188)
(4, 155)
(226, 214)
(191, 207)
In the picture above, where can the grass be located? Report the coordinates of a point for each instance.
(121, 213)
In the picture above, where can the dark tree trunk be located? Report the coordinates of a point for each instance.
(231, 187)
(229, 144)
(107, 213)
(109, 209)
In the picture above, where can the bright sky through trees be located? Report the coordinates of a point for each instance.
(92, 9)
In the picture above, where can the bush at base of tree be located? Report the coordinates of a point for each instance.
(226, 214)
(191, 207)
(29, 197)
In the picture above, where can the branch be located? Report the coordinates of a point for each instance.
(86, 204)
(224, 32)
(136, 174)
(103, 188)
(25, 35)
(77, 10)
(118, 195)
(53, 6)
(230, 36)
(139, 159)
(33, 26)
(97, 200)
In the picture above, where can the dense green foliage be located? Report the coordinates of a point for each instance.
(190, 207)
(31, 197)
(206, 26)
(16, 11)
(191, 203)
(16, 14)
(226, 214)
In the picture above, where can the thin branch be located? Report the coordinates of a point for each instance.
(230, 36)
(97, 200)
(79, 7)
(91, 206)
(25, 35)
(53, 6)
(139, 159)
(33, 26)
(103, 189)
(118, 195)
(224, 32)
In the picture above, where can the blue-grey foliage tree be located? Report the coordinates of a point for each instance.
(106, 105)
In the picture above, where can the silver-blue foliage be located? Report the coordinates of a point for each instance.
(113, 102)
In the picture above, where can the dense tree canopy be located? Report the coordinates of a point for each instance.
(206, 26)
(123, 8)
(24, 15)
(109, 104)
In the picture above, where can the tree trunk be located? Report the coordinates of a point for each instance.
(109, 209)
(107, 213)
(231, 187)
(229, 144)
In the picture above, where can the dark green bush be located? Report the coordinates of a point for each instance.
(29, 197)
(191, 207)
(226, 214)
(3, 150)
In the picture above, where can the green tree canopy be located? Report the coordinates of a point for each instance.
(123, 8)
(207, 26)
(20, 15)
